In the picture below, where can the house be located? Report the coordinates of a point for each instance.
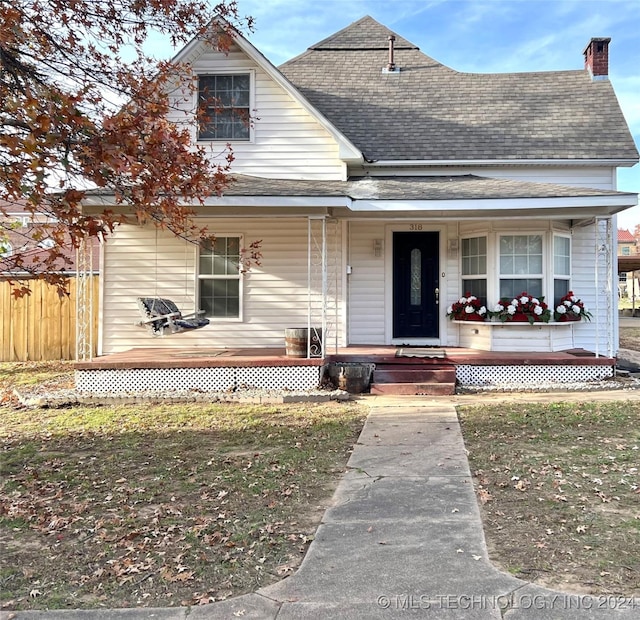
(628, 264)
(384, 185)
(43, 324)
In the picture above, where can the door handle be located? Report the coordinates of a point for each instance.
(437, 294)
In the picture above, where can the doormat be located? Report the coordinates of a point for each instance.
(421, 352)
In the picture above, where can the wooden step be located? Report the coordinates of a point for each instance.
(400, 374)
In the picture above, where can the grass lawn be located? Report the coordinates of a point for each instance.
(124, 506)
(559, 490)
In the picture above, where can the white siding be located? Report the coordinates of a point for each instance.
(275, 293)
(287, 142)
(598, 177)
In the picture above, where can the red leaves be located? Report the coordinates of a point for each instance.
(63, 123)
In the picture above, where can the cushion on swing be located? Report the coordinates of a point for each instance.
(168, 316)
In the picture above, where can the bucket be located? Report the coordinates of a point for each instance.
(296, 341)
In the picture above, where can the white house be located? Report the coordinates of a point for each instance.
(384, 185)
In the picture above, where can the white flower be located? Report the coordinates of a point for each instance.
(471, 298)
(574, 299)
(511, 309)
(535, 301)
(482, 311)
(576, 309)
(514, 302)
(524, 299)
(498, 308)
(449, 309)
(538, 310)
(561, 309)
(567, 303)
(462, 300)
(469, 310)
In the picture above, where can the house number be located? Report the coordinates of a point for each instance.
(415, 226)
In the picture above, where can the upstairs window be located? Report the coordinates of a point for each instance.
(223, 107)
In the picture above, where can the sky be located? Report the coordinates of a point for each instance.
(483, 36)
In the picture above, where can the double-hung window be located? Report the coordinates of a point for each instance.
(220, 279)
(520, 265)
(474, 267)
(223, 107)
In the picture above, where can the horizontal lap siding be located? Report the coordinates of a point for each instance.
(288, 142)
(275, 293)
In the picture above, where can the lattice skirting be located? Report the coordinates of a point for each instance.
(201, 379)
(531, 375)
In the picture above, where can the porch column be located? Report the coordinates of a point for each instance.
(603, 277)
(84, 299)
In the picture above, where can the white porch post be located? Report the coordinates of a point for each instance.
(84, 299)
(604, 266)
(316, 281)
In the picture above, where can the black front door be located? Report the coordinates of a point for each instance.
(415, 284)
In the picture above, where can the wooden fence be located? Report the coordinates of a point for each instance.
(41, 326)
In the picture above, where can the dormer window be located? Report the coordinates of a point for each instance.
(223, 107)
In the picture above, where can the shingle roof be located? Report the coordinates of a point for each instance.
(428, 111)
(460, 187)
(624, 236)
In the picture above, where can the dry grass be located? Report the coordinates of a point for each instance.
(559, 489)
(124, 506)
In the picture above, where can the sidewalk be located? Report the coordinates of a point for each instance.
(403, 537)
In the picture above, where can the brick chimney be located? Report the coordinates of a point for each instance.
(596, 58)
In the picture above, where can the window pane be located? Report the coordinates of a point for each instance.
(521, 254)
(560, 289)
(477, 288)
(511, 287)
(416, 277)
(474, 256)
(561, 256)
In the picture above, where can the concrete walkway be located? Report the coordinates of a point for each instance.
(403, 538)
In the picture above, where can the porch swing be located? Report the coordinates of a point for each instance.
(161, 316)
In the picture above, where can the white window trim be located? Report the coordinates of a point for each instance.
(252, 106)
(562, 276)
(240, 277)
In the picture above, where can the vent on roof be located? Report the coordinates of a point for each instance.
(391, 65)
(596, 58)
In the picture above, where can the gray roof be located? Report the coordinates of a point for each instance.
(460, 187)
(428, 111)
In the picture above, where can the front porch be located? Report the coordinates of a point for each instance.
(227, 370)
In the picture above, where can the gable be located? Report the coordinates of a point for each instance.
(429, 112)
(287, 140)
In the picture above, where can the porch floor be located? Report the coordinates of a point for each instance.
(199, 357)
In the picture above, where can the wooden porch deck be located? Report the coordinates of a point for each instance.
(200, 357)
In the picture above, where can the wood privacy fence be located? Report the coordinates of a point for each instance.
(41, 326)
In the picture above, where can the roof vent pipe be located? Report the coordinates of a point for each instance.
(391, 66)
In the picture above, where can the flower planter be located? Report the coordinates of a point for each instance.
(565, 318)
(523, 318)
(469, 317)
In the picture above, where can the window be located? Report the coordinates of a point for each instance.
(223, 107)
(625, 250)
(219, 278)
(561, 267)
(474, 267)
(520, 265)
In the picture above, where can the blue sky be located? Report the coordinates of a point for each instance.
(483, 36)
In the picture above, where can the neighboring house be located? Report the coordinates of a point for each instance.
(383, 185)
(628, 264)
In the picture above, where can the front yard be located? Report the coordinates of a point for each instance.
(124, 506)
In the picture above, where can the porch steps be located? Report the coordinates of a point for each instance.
(409, 376)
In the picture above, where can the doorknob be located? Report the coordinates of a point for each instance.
(437, 294)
